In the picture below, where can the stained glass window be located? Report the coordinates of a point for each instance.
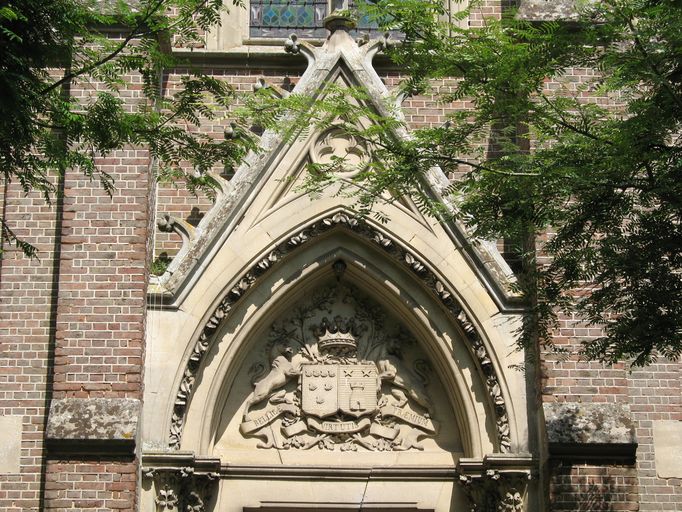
(279, 18)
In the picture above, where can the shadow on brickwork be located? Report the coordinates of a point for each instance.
(569, 491)
(592, 488)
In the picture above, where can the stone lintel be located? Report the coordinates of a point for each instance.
(594, 432)
(165, 461)
(502, 463)
(93, 426)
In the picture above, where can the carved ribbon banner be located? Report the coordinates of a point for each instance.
(338, 427)
(413, 418)
(268, 416)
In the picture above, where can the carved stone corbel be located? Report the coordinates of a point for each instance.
(496, 484)
(275, 90)
(182, 489)
(495, 491)
(169, 224)
(375, 46)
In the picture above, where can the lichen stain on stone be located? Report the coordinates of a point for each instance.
(589, 423)
(93, 418)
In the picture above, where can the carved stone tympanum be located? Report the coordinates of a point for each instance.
(347, 381)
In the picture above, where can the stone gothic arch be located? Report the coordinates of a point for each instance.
(339, 232)
(478, 393)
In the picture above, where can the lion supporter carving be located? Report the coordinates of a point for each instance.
(338, 372)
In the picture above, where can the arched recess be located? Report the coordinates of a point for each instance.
(408, 285)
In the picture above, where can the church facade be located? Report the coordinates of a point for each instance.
(294, 355)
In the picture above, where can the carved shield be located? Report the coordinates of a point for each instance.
(358, 389)
(319, 389)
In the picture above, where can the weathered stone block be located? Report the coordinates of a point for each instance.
(93, 425)
(10, 447)
(668, 448)
(593, 431)
(546, 10)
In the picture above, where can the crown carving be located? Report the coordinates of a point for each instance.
(336, 338)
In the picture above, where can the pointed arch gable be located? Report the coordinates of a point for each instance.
(341, 59)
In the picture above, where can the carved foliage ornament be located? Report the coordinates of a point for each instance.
(361, 228)
(181, 489)
(495, 491)
(347, 383)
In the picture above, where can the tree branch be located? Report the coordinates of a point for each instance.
(136, 32)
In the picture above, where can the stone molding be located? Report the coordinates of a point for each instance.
(393, 249)
(498, 483)
(292, 506)
(93, 426)
(186, 488)
(495, 483)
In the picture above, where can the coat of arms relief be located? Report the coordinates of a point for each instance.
(340, 375)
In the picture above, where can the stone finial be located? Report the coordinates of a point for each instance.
(339, 20)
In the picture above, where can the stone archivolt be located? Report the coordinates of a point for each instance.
(392, 249)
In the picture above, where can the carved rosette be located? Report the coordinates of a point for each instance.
(393, 249)
(182, 489)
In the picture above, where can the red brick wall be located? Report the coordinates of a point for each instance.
(98, 309)
(655, 393)
(100, 317)
(26, 301)
(652, 393)
(103, 282)
(91, 486)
